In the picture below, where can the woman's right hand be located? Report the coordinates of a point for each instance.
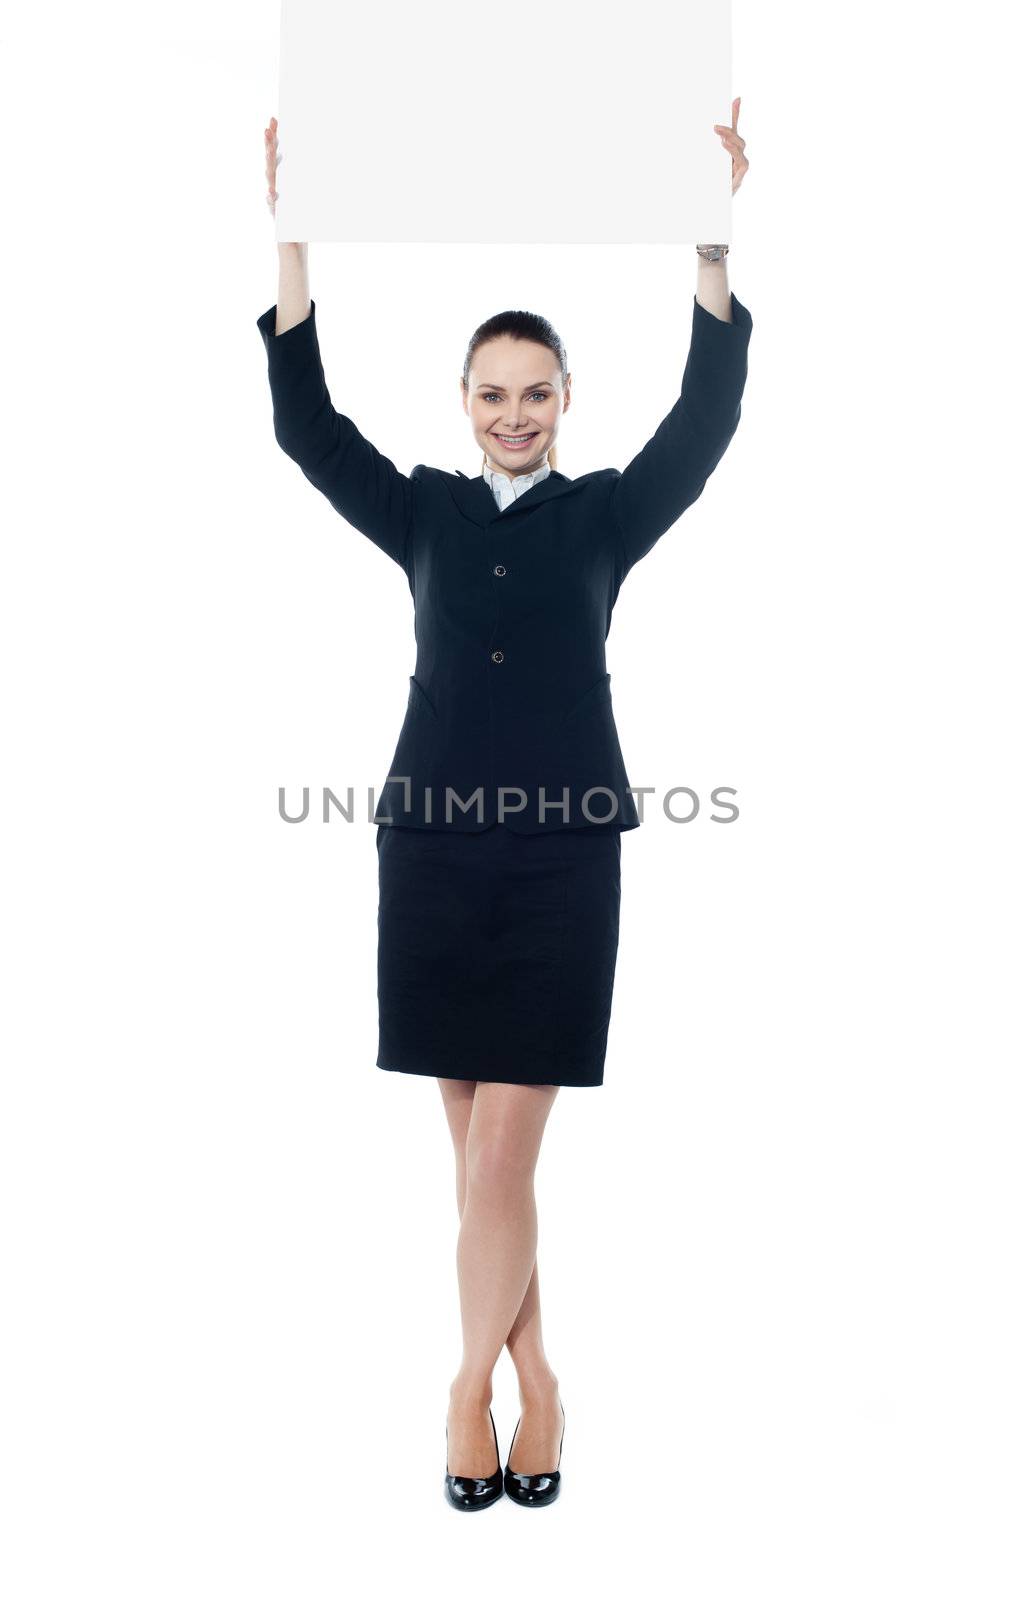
(273, 159)
(270, 140)
(293, 301)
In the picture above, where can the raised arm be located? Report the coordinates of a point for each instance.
(670, 471)
(359, 482)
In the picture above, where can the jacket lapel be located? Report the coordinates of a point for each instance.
(475, 497)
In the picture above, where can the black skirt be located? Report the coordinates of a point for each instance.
(497, 952)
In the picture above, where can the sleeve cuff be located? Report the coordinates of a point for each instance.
(716, 369)
(707, 325)
(293, 340)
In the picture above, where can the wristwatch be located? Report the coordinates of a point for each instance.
(712, 252)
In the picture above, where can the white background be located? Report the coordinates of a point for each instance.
(390, 134)
(773, 1244)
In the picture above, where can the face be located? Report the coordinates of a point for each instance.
(515, 390)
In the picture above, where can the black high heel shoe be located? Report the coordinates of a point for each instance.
(472, 1494)
(533, 1488)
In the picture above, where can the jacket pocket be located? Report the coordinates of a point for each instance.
(417, 697)
(593, 699)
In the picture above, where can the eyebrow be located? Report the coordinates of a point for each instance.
(544, 384)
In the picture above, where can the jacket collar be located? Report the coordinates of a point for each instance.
(476, 499)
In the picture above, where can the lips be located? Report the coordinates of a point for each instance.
(523, 442)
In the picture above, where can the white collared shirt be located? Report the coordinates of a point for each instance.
(507, 489)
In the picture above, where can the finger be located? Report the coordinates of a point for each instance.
(736, 111)
(727, 133)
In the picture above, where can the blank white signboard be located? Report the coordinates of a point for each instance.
(571, 123)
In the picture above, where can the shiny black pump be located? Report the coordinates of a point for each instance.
(472, 1494)
(533, 1488)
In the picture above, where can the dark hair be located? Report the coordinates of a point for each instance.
(519, 325)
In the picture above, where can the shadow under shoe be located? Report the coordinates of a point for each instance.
(533, 1488)
(472, 1494)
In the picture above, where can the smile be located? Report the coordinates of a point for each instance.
(516, 441)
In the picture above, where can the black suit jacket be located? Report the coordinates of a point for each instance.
(509, 704)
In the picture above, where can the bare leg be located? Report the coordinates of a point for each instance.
(496, 1131)
(525, 1343)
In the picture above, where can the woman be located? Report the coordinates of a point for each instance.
(499, 874)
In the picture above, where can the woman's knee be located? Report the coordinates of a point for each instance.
(506, 1131)
(501, 1154)
(497, 1163)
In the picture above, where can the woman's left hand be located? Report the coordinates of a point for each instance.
(735, 145)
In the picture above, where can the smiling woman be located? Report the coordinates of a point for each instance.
(499, 850)
(514, 397)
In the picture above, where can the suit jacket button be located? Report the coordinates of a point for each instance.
(496, 655)
(499, 572)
